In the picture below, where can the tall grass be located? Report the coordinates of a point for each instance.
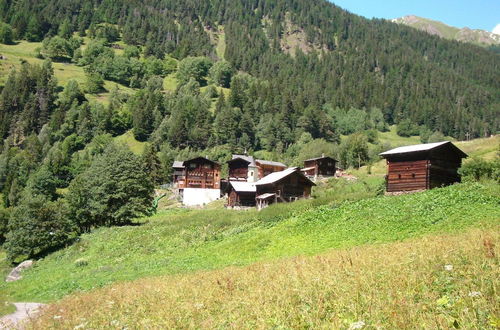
(183, 241)
(436, 282)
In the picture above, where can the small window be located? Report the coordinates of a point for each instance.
(251, 173)
(413, 175)
(192, 165)
(399, 176)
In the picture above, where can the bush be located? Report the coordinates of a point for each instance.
(113, 191)
(4, 222)
(6, 34)
(221, 73)
(36, 227)
(477, 169)
(95, 83)
(407, 128)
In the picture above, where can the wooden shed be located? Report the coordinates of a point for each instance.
(320, 166)
(201, 172)
(422, 166)
(285, 186)
(240, 194)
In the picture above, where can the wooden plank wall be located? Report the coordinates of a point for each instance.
(407, 176)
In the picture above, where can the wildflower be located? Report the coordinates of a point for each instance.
(357, 325)
(115, 322)
(199, 306)
(448, 267)
(80, 326)
(475, 294)
(57, 317)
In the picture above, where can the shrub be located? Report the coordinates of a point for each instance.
(6, 34)
(407, 128)
(36, 227)
(113, 191)
(477, 169)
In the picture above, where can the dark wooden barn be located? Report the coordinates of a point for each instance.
(422, 166)
(285, 186)
(321, 166)
(240, 194)
(200, 172)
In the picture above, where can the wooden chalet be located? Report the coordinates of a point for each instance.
(198, 172)
(246, 168)
(285, 186)
(242, 168)
(321, 166)
(422, 166)
(241, 194)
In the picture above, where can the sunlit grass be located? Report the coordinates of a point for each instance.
(434, 282)
(128, 139)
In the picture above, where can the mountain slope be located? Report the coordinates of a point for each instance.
(478, 37)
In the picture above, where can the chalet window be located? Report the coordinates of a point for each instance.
(192, 165)
(413, 175)
(399, 176)
(329, 163)
(208, 166)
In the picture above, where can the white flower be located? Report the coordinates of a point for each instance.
(80, 326)
(199, 306)
(448, 267)
(115, 322)
(57, 317)
(475, 294)
(357, 325)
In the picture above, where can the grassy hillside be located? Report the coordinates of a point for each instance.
(443, 282)
(181, 241)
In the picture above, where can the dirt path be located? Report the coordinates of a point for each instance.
(24, 311)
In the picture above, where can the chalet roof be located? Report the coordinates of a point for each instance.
(421, 148)
(307, 169)
(248, 159)
(270, 163)
(243, 186)
(202, 158)
(178, 164)
(318, 158)
(277, 176)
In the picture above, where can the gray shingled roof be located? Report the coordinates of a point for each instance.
(419, 148)
(270, 163)
(249, 159)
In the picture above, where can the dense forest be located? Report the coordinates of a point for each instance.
(294, 77)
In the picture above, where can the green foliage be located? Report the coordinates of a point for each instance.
(38, 226)
(196, 68)
(114, 190)
(407, 128)
(58, 48)
(478, 169)
(354, 151)
(4, 223)
(436, 137)
(221, 73)
(6, 34)
(94, 83)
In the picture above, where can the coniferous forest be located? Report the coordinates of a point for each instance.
(292, 75)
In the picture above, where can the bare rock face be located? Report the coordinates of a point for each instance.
(15, 274)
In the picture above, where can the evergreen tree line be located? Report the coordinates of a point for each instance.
(444, 85)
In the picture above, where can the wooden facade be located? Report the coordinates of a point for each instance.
(266, 167)
(422, 167)
(285, 186)
(246, 168)
(200, 172)
(321, 166)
